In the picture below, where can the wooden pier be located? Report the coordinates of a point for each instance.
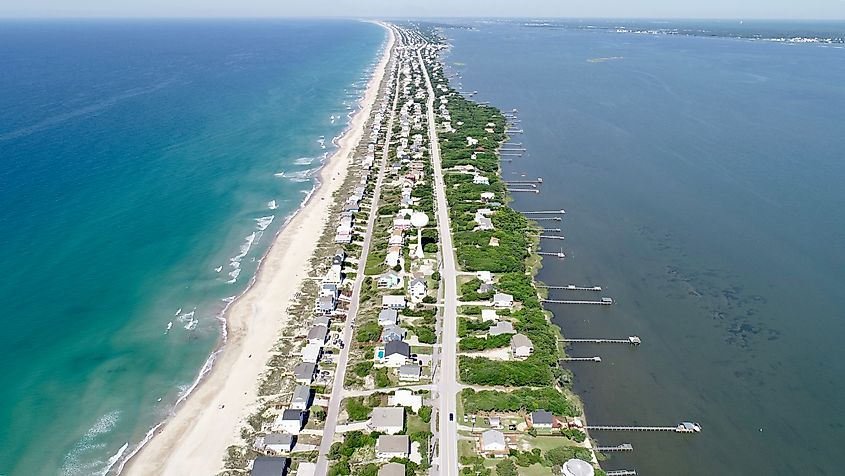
(621, 472)
(571, 287)
(551, 237)
(514, 131)
(683, 427)
(549, 230)
(535, 181)
(615, 449)
(581, 359)
(632, 340)
(533, 190)
(545, 212)
(605, 301)
(548, 219)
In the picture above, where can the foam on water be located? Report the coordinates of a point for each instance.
(304, 160)
(264, 222)
(272, 205)
(79, 461)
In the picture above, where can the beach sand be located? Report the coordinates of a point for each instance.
(194, 440)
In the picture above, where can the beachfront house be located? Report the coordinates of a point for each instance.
(301, 398)
(487, 196)
(393, 446)
(484, 223)
(502, 301)
(410, 373)
(389, 280)
(396, 353)
(405, 398)
(311, 353)
(387, 317)
(317, 335)
(493, 443)
(390, 420)
(392, 469)
(276, 443)
(324, 321)
(393, 302)
(326, 304)
(304, 373)
(290, 421)
(480, 180)
(392, 257)
(521, 346)
(270, 466)
(502, 327)
(392, 333)
(542, 419)
(417, 288)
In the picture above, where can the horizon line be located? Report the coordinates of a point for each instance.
(392, 18)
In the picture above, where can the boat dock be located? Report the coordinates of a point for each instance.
(558, 254)
(621, 472)
(545, 212)
(551, 237)
(581, 359)
(549, 230)
(513, 131)
(534, 190)
(613, 449)
(536, 181)
(683, 427)
(633, 340)
(571, 287)
(605, 301)
(548, 219)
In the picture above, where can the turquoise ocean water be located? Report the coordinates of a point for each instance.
(702, 175)
(145, 168)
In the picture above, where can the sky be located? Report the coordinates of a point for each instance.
(738, 9)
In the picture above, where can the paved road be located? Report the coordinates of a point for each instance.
(447, 381)
(340, 375)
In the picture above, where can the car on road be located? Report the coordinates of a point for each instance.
(451, 417)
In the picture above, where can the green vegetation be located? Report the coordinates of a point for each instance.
(521, 399)
(558, 456)
(362, 369)
(382, 378)
(481, 371)
(425, 414)
(472, 343)
(574, 434)
(506, 467)
(357, 409)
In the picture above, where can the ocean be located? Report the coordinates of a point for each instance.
(146, 166)
(701, 168)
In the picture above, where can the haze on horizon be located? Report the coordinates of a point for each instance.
(711, 9)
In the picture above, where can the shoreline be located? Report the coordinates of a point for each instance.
(206, 420)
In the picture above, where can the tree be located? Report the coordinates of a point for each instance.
(506, 467)
(425, 414)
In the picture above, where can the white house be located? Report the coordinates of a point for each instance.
(501, 327)
(301, 398)
(393, 446)
(311, 353)
(521, 346)
(502, 300)
(489, 315)
(392, 258)
(396, 353)
(485, 277)
(390, 420)
(290, 421)
(393, 302)
(410, 373)
(493, 443)
(276, 443)
(417, 288)
(388, 317)
(405, 398)
(306, 469)
(480, 180)
(317, 335)
(487, 196)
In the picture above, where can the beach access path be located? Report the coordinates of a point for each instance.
(333, 410)
(193, 441)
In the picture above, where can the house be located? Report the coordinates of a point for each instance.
(541, 419)
(291, 421)
(304, 373)
(392, 258)
(390, 420)
(388, 317)
(393, 446)
(306, 469)
(493, 443)
(391, 469)
(484, 223)
(480, 180)
(311, 353)
(326, 304)
(389, 280)
(323, 321)
(484, 276)
(276, 443)
(502, 327)
(493, 240)
(410, 373)
(577, 467)
(270, 466)
(417, 288)
(393, 302)
(485, 288)
(405, 398)
(317, 335)
(502, 300)
(489, 315)
(392, 333)
(396, 353)
(521, 346)
(487, 196)
(396, 238)
(495, 422)
(301, 398)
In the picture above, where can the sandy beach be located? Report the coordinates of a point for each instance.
(194, 440)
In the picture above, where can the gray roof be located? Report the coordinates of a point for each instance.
(397, 347)
(388, 315)
(416, 281)
(322, 321)
(492, 437)
(391, 333)
(577, 467)
(392, 469)
(387, 416)
(502, 297)
(279, 439)
(291, 414)
(302, 393)
(318, 332)
(413, 370)
(541, 417)
(269, 466)
(326, 303)
(521, 340)
(393, 444)
(305, 370)
(502, 327)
